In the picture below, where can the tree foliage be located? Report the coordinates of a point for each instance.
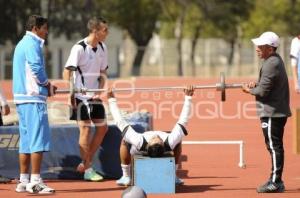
(280, 16)
(70, 18)
(207, 18)
(138, 18)
(225, 16)
(13, 17)
(292, 17)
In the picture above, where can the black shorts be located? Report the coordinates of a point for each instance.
(93, 109)
(1, 121)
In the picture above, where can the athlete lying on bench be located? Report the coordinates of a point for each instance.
(154, 143)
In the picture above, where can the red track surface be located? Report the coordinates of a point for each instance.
(208, 170)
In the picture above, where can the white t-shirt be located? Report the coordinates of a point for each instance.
(295, 50)
(89, 62)
(136, 139)
(135, 149)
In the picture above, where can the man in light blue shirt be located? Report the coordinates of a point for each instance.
(31, 88)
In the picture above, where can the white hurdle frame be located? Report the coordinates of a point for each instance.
(241, 163)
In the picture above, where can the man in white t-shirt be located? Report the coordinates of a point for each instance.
(88, 61)
(295, 54)
(153, 143)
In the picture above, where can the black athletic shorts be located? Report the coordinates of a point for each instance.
(1, 121)
(92, 109)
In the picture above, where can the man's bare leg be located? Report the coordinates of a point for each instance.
(177, 154)
(97, 139)
(84, 139)
(87, 146)
(36, 160)
(125, 158)
(24, 161)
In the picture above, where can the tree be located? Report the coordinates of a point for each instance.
(226, 17)
(70, 18)
(138, 18)
(175, 12)
(291, 18)
(13, 17)
(269, 18)
(229, 22)
(213, 18)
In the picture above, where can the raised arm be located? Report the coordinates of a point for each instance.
(128, 133)
(185, 112)
(179, 130)
(115, 111)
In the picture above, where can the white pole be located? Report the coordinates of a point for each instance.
(241, 163)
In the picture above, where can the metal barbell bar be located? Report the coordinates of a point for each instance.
(221, 86)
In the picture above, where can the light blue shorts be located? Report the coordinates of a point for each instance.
(34, 128)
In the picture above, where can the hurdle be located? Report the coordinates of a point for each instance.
(241, 163)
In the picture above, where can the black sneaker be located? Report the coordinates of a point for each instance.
(271, 187)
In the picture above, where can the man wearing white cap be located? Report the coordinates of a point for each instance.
(272, 95)
(295, 55)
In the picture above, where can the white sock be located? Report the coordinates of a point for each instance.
(24, 178)
(35, 178)
(126, 169)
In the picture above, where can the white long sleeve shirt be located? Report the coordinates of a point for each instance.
(295, 51)
(136, 139)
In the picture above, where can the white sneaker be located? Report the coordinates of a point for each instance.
(124, 181)
(21, 187)
(39, 188)
(179, 181)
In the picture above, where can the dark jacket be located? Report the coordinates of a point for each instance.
(272, 90)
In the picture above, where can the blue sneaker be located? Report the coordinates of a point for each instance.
(124, 181)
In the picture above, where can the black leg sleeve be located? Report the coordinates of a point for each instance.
(273, 130)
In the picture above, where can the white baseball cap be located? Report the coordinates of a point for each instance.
(267, 38)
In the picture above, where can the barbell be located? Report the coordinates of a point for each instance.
(220, 86)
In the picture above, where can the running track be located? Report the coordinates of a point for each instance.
(208, 170)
